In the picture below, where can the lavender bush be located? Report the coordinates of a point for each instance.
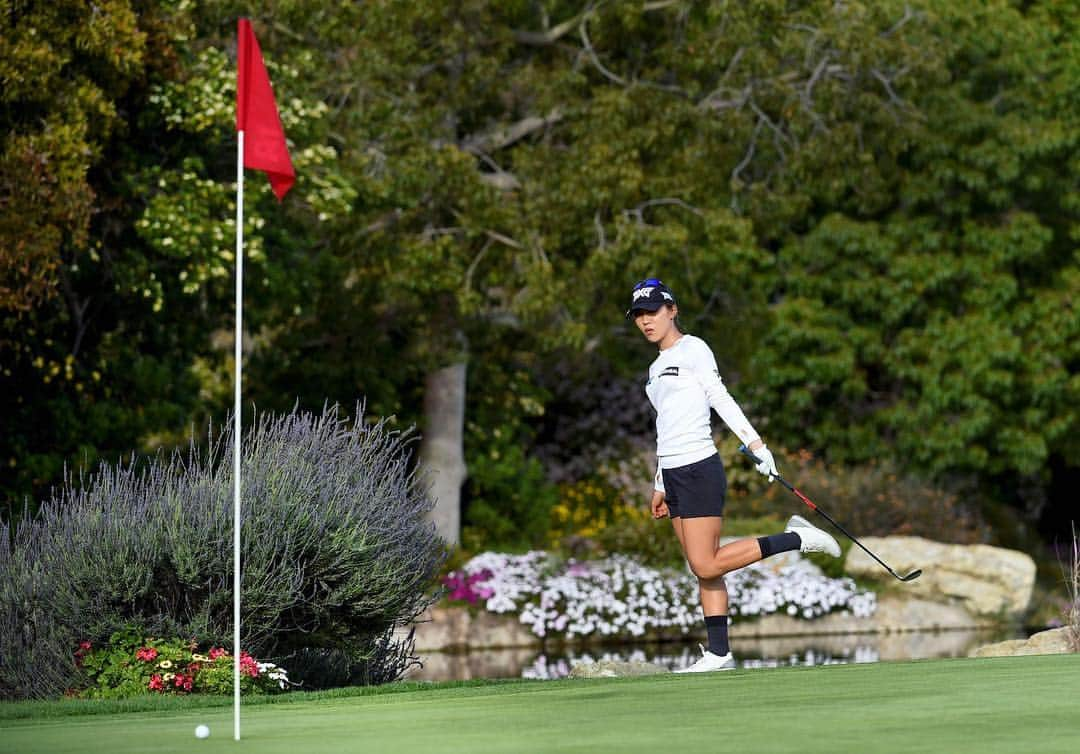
(620, 597)
(336, 553)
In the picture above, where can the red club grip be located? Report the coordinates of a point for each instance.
(805, 499)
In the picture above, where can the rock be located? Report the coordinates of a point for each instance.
(998, 649)
(615, 669)
(458, 629)
(989, 582)
(442, 628)
(463, 666)
(896, 612)
(1052, 642)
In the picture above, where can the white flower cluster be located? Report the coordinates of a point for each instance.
(618, 596)
(799, 589)
(274, 673)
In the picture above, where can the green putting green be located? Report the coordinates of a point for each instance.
(1015, 704)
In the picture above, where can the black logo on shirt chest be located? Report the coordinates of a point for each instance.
(669, 372)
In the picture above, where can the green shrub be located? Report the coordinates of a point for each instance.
(872, 499)
(509, 501)
(633, 531)
(336, 553)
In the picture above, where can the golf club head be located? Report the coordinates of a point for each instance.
(911, 576)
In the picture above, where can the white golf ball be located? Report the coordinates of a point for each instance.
(202, 731)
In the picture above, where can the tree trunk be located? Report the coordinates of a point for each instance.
(442, 447)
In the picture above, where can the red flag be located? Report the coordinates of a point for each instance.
(257, 115)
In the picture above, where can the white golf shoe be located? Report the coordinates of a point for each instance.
(813, 538)
(710, 662)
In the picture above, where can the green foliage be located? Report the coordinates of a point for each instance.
(870, 499)
(633, 531)
(133, 352)
(935, 330)
(510, 500)
(508, 492)
(868, 209)
(63, 65)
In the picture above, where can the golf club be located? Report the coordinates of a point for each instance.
(909, 577)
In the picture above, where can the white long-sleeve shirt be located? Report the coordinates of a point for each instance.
(684, 384)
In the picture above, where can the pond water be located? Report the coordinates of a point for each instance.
(833, 649)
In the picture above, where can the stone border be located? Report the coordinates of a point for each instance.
(459, 629)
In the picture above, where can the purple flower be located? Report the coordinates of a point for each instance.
(463, 586)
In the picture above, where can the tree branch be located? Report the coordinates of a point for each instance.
(748, 156)
(908, 15)
(504, 240)
(504, 136)
(601, 236)
(638, 212)
(552, 35)
(887, 83)
(779, 136)
(592, 55)
(476, 260)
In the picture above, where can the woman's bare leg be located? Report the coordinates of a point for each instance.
(708, 560)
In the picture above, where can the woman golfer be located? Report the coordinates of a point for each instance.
(684, 383)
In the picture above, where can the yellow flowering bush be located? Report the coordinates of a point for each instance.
(585, 509)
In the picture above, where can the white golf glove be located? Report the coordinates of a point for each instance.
(768, 463)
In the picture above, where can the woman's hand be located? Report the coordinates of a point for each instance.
(768, 463)
(659, 507)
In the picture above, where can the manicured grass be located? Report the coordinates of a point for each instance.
(1003, 705)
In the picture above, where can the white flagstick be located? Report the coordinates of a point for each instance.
(238, 356)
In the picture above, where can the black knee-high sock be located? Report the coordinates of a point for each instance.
(716, 626)
(776, 543)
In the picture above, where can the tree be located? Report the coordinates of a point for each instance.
(941, 327)
(70, 71)
(518, 159)
(112, 345)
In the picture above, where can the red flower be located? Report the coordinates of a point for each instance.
(180, 680)
(248, 666)
(155, 683)
(216, 652)
(81, 652)
(146, 654)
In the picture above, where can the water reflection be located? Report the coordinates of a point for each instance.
(749, 653)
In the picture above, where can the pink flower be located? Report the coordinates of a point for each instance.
(248, 666)
(155, 683)
(146, 654)
(81, 652)
(184, 682)
(463, 586)
(216, 652)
